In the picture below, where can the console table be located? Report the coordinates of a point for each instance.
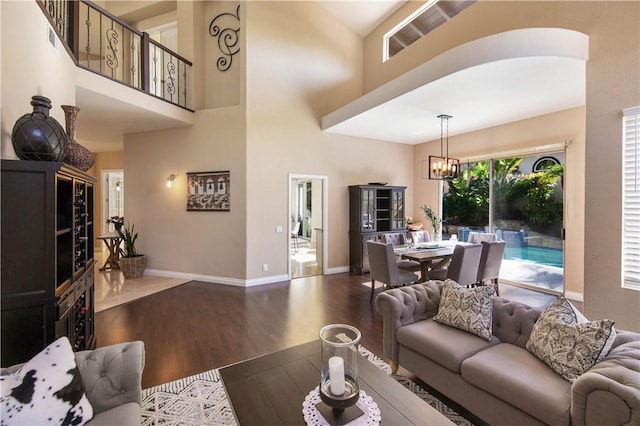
(112, 240)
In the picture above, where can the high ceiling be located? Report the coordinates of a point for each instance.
(488, 82)
(477, 95)
(362, 16)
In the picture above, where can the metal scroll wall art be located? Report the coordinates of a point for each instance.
(226, 27)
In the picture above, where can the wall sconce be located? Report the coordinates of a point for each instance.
(170, 180)
(118, 187)
(443, 167)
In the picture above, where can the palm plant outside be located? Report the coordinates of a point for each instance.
(526, 198)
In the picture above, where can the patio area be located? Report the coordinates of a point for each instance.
(532, 273)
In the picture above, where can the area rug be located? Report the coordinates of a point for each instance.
(201, 400)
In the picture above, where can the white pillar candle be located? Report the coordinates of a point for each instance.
(336, 375)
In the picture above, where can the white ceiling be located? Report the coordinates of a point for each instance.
(491, 81)
(476, 98)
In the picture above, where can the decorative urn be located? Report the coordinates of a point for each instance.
(37, 136)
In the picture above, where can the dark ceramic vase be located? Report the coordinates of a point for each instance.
(76, 155)
(37, 136)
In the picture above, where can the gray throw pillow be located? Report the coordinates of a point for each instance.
(468, 309)
(566, 342)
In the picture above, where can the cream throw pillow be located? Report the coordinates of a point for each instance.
(468, 309)
(568, 343)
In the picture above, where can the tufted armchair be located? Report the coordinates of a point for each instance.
(112, 380)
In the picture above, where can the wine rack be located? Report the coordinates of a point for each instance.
(47, 258)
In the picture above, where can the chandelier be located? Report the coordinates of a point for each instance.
(443, 167)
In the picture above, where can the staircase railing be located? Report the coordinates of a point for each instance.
(102, 43)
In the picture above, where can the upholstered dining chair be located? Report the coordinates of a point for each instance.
(420, 236)
(398, 239)
(383, 267)
(478, 237)
(463, 268)
(490, 262)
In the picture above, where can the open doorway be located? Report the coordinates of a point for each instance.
(307, 194)
(112, 197)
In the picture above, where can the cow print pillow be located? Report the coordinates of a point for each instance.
(47, 390)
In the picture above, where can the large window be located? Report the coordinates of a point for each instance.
(631, 199)
(520, 199)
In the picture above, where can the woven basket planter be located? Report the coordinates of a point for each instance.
(133, 267)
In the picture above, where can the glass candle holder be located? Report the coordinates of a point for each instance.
(339, 387)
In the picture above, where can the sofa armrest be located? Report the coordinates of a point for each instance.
(112, 375)
(609, 393)
(405, 305)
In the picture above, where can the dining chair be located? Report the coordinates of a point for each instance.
(490, 262)
(478, 237)
(398, 239)
(383, 268)
(420, 236)
(463, 268)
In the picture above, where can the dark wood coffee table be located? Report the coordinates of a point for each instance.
(269, 390)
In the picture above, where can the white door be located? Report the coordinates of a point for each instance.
(113, 196)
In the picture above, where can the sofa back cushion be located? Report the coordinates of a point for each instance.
(513, 321)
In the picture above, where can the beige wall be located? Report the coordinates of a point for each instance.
(525, 135)
(613, 83)
(301, 65)
(24, 75)
(208, 246)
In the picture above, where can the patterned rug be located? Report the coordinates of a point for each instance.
(201, 400)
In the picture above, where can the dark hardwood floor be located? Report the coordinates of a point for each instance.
(199, 326)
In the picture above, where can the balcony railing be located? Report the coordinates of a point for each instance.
(106, 45)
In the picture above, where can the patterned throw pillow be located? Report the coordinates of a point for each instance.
(568, 343)
(468, 309)
(47, 390)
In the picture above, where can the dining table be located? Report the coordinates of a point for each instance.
(430, 255)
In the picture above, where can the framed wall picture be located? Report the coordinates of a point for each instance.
(209, 191)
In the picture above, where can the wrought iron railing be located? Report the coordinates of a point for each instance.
(104, 44)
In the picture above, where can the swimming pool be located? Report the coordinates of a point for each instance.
(542, 255)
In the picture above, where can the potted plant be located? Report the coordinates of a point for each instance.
(117, 221)
(132, 263)
(434, 219)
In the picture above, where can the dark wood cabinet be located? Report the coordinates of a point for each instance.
(47, 256)
(373, 210)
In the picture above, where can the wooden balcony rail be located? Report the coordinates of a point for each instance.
(106, 45)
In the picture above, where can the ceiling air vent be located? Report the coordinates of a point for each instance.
(423, 21)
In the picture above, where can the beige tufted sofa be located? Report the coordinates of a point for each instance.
(112, 380)
(499, 380)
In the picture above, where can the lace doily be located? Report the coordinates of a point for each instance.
(312, 416)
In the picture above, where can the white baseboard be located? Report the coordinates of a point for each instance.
(217, 280)
(267, 280)
(572, 295)
(337, 270)
(233, 281)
